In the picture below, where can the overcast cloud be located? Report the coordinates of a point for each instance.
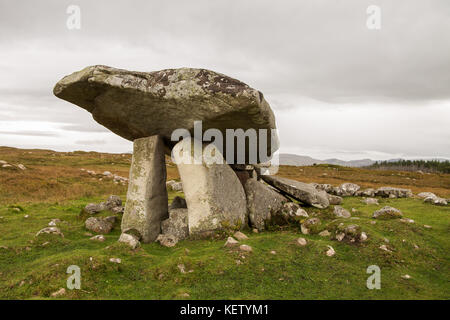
(337, 88)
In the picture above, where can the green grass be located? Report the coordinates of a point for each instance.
(151, 271)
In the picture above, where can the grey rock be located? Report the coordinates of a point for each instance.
(349, 189)
(340, 212)
(177, 224)
(50, 230)
(370, 201)
(167, 240)
(424, 195)
(387, 212)
(240, 236)
(130, 240)
(303, 192)
(146, 204)
(293, 210)
(175, 185)
(93, 208)
(334, 200)
(99, 237)
(142, 104)
(231, 242)
(263, 203)
(100, 225)
(113, 202)
(436, 201)
(370, 192)
(390, 192)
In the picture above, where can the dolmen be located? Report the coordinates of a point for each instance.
(198, 117)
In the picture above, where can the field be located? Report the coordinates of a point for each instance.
(54, 186)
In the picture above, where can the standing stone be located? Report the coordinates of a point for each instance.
(214, 195)
(263, 203)
(146, 204)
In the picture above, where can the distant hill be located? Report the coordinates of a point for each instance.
(297, 160)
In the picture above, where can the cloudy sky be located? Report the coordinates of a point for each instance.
(338, 88)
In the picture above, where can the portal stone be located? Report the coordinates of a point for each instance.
(146, 204)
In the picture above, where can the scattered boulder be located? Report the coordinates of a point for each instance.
(340, 212)
(310, 225)
(93, 208)
(263, 204)
(424, 195)
(436, 201)
(177, 224)
(390, 192)
(370, 192)
(50, 230)
(303, 192)
(245, 248)
(178, 203)
(301, 242)
(130, 240)
(370, 201)
(351, 233)
(113, 202)
(100, 225)
(387, 212)
(293, 210)
(334, 200)
(240, 236)
(167, 240)
(231, 242)
(330, 252)
(348, 189)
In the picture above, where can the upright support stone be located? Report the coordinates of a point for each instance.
(214, 195)
(146, 204)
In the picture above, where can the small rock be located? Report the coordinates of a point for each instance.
(45, 243)
(181, 267)
(98, 237)
(406, 276)
(100, 225)
(59, 293)
(387, 212)
(54, 222)
(363, 237)
(115, 260)
(341, 212)
(21, 166)
(330, 252)
(245, 248)
(427, 226)
(301, 242)
(324, 233)
(406, 220)
(167, 240)
(255, 230)
(130, 240)
(26, 216)
(340, 236)
(370, 201)
(240, 236)
(304, 229)
(231, 242)
(273, 252)
(50, 230)
(385, 248)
